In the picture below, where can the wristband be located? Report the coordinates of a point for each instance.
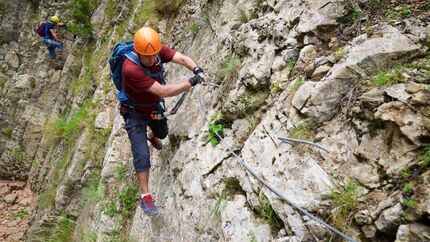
(197, 70)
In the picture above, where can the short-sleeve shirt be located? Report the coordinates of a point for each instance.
(49, 25)
(135, 82)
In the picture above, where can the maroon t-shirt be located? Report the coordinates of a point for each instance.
(135, 82)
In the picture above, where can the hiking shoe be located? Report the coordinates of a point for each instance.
(58, 67)
(156, 142)
(148, 206)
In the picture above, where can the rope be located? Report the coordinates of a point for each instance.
(267, 184)
(288, 140)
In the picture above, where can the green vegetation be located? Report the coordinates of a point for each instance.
(339, 53)
(219, 205)
(81, 11)
(266, 212)
(405, 173)
(290, 65)
(7, 132)
(345, 200)
(94, 189)
(153, 11)
(20, 214)
(242, 16)
(376, 5)
(387, 78)
(47, 198)
(276, 87)
(92, 72)
(112, 8)
(252, 235)
(424, 157)
(409, 203)
(352, 14)
(252, 101)
(296, 85)
(407, 188)
(68, 129)
(128, 200)
(304, 131)
(194, 28)
(57, 229)
(214, 131)
(109, 208)
(121, 171)
(230, 67)
(18, 155)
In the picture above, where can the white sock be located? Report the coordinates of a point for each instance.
(143, 195)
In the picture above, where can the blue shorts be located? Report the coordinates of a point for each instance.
(135, 124)
(52, 44)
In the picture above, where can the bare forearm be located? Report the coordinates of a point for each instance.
(184, 60)
(174, 89)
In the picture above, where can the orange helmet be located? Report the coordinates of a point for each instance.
(147, 41)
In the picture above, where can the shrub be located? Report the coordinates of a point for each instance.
(424, 157)
(266, 212)
(387, 78)
(242, 16)
(81, 11)
(121, 171)
(68, 130)
(230, 67)
(128, 200)
(215, 129)
(345, 200)
(409, 203)
(296, 85)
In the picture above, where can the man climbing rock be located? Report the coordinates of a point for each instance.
(52, 40)
(143, 85)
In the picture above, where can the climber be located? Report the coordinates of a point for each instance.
(52, 40)
(144, 86)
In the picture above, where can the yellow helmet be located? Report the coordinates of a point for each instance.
(54, 19)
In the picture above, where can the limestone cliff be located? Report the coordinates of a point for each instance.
(351, 76)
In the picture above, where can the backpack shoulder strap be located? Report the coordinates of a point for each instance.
(133, 57)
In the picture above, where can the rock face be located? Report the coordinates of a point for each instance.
(301, 69)
(413, 232)
(320, 100)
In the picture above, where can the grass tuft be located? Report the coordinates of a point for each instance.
(345, 200)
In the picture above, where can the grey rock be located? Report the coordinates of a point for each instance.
(306, 56)
(320, 72)
(322, 98)
(309, 70)
(369, 231)
(413, 125)
(413, 233)
(10, 198)
(12, 59)
(278, 63)
(372, 99)
(389, 219)
(102, 121)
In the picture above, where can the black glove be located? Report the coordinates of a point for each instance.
(199, 71)
(196, 79)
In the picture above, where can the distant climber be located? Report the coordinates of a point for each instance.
(51, 40)
(137, 69)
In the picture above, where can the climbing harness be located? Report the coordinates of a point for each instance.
(267, 184)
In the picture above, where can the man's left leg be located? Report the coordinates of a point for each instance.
(158, 131)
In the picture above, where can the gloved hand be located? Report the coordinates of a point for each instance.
(196, 79)
(199, 71)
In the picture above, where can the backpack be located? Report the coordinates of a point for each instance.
(125, 50)
(41, 29)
